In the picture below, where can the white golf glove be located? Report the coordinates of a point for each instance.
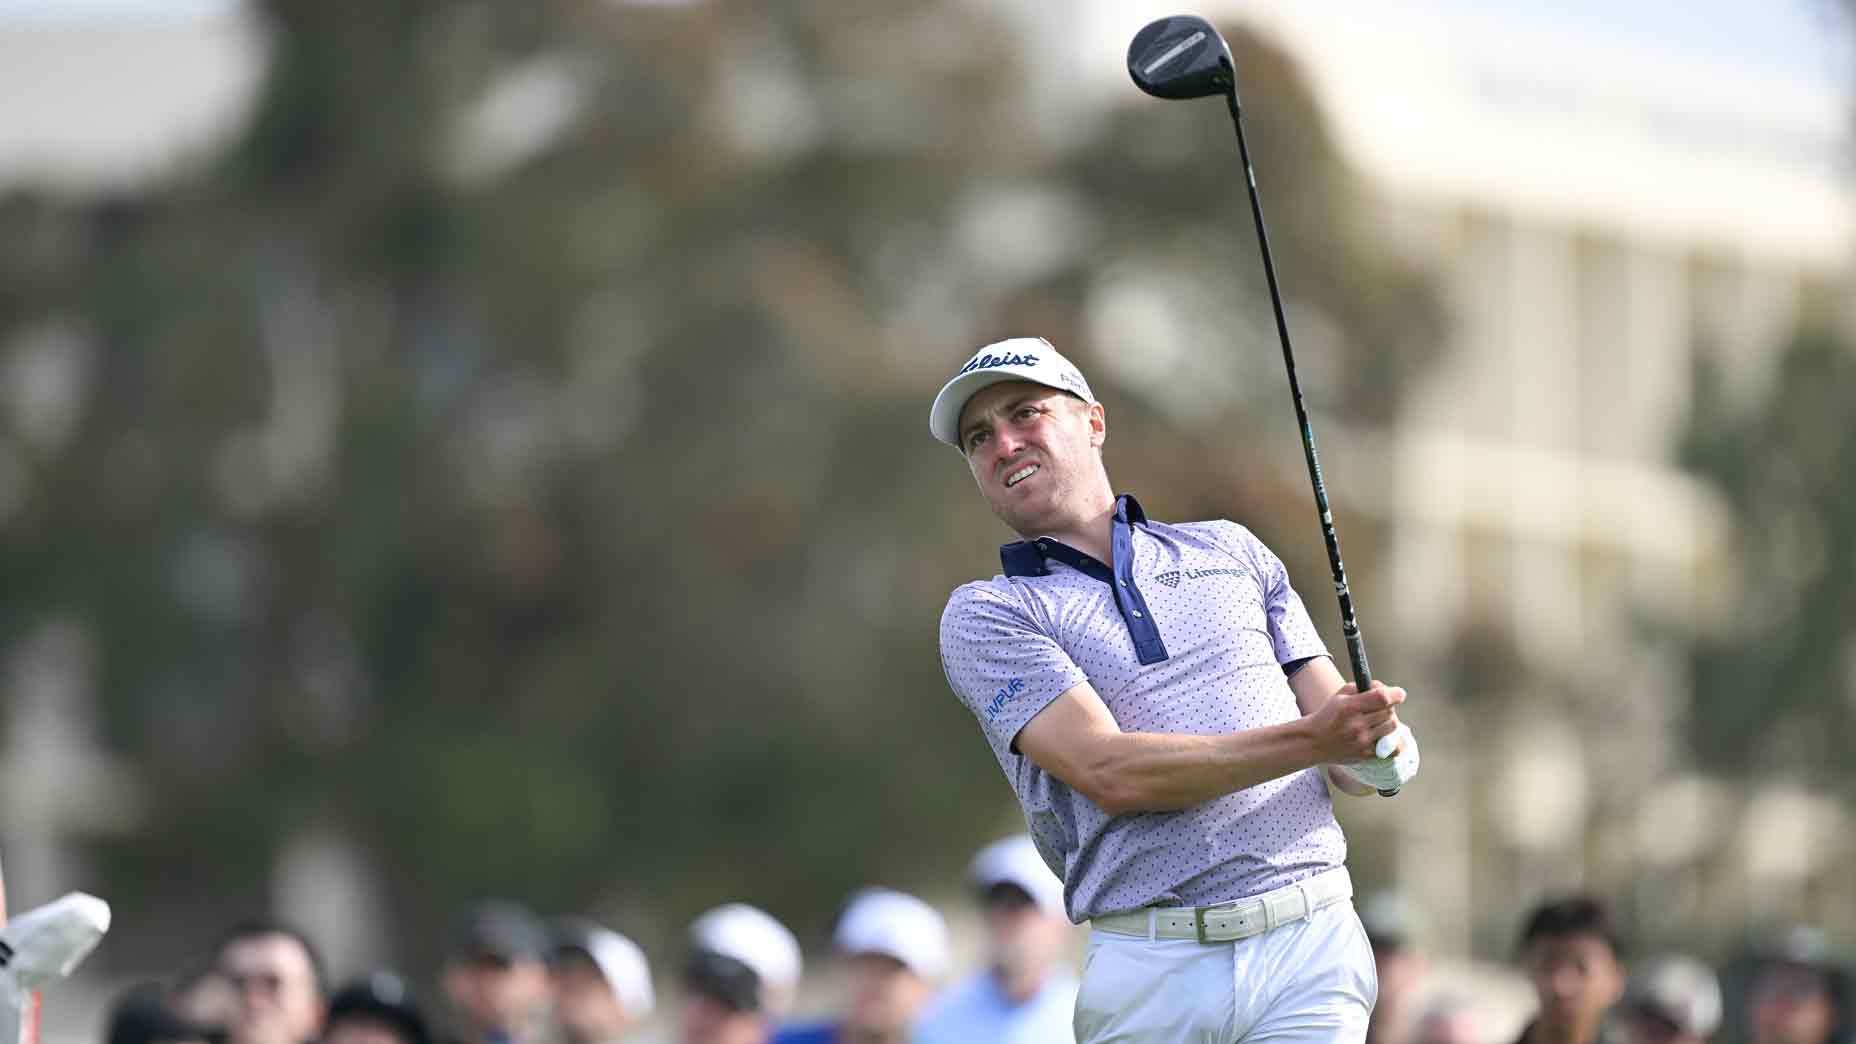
(1388, 773)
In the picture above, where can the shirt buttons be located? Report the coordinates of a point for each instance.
(1137, 614)
(1123, 583)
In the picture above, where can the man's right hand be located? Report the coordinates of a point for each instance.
(1347, 726)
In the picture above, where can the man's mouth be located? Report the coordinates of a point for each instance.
(1020, 475)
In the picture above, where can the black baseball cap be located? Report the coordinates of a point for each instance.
(500, 930)
(382, 996)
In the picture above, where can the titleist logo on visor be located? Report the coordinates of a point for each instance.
(988, 360)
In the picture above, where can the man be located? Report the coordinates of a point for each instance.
(1163, 706)
(141, 1015)
(1671, 1000)
(277, 984)
(495, 973)
(1800, 993)
(1024, 995)
(894, 949)
(1400, 966)
(602, 984)
(376, 1010)
(1572, 955)
(742, 975)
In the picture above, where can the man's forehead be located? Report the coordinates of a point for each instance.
(1000, 395)
(266, 950)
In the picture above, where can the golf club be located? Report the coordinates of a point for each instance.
(1184, 57)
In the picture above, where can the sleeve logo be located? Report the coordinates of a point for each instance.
(1004, 696)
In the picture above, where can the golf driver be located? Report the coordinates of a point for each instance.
(1184, 57)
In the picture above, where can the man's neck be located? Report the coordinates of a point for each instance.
(1018, 988)
(1562, 1033)
(1093, 533)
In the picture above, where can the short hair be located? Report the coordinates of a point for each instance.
(1572, 915)
(258, 928)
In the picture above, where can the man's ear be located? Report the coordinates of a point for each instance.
(1098, 425)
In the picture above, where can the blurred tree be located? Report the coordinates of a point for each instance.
(1772, 683)
(512, 451)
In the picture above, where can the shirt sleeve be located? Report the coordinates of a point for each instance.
(1292, 633)
(1000, 662)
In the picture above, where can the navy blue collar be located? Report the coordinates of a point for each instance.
(1026, 557)
(1031, 558)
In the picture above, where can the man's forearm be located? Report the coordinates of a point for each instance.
(1162, 772)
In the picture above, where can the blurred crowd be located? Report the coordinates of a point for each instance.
(511, 977)
(1588, 989)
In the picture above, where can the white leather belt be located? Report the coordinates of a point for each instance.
(1238, 920)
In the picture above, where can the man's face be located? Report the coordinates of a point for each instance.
(497, 994)
(705, 1020)
(277, 1000)
(885, 996)
(584, 1003)
(1576, 977)
(1025, 940)
(1792, 1005)
(362, 1029)
(1033, 451)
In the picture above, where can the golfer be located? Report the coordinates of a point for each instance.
(1170, 721)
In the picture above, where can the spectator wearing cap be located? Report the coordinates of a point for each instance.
(1025, 995)
(495, 973)
(378, 1009)
(1671, 1000)
(277, 983)
(142, 1016)
(1401, 966)
(894, 950)
(742, 975)
(1571, 952)
(1800, 992)
(602, 984)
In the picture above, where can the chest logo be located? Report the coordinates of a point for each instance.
(1173, 577)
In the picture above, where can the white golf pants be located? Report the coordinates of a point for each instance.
(1307, 981)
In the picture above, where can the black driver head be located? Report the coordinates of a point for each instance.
(1181, 57)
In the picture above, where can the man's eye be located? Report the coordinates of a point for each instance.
(1027, 412)
(974, 440)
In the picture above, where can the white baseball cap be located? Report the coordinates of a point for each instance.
(1017, 359)
(751, 935)
(1680, 990)
(1015, 861)
(897, 925)
(623, 966)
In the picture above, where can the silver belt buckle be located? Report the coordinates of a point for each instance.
(1198, 924)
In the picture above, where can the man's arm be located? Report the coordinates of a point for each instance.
(1076, 739)
(1314, 685)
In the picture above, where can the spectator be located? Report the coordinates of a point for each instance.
(376, 1010)
(204, 997)
(495, 973)
(742, 974)
(1025, 995)
(894, 948)
(1671, 1000)
(602, 984)
(1401, 966)
(277, 983)
(142, 1016)
(1571, 952)
(1800, 993)
(1446, 1020)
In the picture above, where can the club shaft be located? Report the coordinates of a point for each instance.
(1349, 626)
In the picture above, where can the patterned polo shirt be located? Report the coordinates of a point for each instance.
(1189, 631)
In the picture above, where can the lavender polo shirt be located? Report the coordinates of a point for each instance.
(1190, 631)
